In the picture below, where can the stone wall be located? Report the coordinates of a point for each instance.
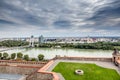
(22, 63)
(84, 58)
(17, 70)
(40, 76)
(44, 76)
(28, 68)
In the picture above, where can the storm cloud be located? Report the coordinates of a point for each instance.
(59, 17)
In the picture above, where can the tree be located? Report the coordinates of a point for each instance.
(40, 57)
(19, 55)
(26, 57)
(5, 55)
(13, 55)
(13, 43)
(0, 54)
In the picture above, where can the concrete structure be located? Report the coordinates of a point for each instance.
(41, 39)
(31, 44)
(79, 72)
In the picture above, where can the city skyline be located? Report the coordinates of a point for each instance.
(59, 18)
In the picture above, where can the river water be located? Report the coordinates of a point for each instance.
(50, 53)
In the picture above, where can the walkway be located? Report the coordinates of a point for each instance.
(99, 63)
(11, 48)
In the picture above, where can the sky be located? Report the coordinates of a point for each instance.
(59, 18)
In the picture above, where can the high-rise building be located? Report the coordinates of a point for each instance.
(31, 41)
(41, 39)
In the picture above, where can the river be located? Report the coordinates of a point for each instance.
(50, 53)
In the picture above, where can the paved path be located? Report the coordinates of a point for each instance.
(99, 63)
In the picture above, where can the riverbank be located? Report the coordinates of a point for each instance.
(2, 49)
(97, 45)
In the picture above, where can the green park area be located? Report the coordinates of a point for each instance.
(91, 71)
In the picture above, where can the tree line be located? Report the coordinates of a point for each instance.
(13, 43)
(19, 57)
(97, 45)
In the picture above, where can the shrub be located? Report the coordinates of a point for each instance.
(19, 55)
(40, 57)
(5, 55)
(0, 54)
(26, 57)
(13, 55)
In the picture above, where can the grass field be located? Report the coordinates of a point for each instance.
(91, 71)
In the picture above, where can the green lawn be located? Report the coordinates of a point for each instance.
(91, 71)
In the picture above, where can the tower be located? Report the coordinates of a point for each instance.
(41, 39)
(31, 44)
(116, 56)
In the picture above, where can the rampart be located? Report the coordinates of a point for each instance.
(83, 58)
(28, 68)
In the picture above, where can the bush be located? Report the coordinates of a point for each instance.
(0, 54)
(19, 55)
(13, 55)
(5, 55)
(40, 57)
(26, 57)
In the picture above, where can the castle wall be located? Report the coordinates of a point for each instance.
(16, 70)
(84, 58)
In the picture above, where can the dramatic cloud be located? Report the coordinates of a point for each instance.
(59, 17)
